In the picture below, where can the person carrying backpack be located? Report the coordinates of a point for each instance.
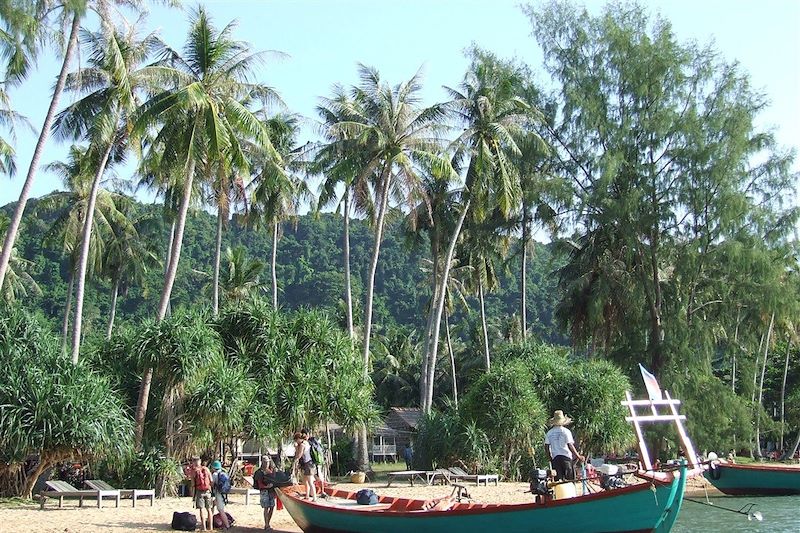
(221, 486)
(318, 456)
(201, 481)
(302, 458)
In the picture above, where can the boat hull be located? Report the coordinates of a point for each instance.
(755, 480)
(631, 509)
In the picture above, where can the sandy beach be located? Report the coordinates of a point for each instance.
(72, 519)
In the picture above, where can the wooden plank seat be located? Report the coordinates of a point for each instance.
(459, 474)
(247, 491)
(62, 489)
(410, 475)
(133, 494)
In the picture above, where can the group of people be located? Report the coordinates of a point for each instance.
(210, 492)
(211, 485)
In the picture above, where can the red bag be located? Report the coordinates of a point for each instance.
(202, 479)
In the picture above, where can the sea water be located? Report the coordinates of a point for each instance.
(781, 514)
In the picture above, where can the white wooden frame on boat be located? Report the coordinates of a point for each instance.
(655, 416)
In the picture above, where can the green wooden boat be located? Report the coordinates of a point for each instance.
(756, 480)
(652, 505)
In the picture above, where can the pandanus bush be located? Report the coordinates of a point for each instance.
(50, 409)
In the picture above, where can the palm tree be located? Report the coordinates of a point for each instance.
(228, 191)
(19, 282)
(394, 135)
(129, 254)
(199, 118)
(240, 276)
(277, 190)
(27, 28)
(76, 174)
(110, 82)
(490, 109)
(339, 161)
(543, 193)
(484, 248)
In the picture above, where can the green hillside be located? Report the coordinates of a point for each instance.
(310, 273)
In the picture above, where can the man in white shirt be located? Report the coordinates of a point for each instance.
(560, 446)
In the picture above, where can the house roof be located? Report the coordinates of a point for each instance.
(409, 415)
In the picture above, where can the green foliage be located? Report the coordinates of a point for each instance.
(504, 404)
(50, 407)
(716, 418)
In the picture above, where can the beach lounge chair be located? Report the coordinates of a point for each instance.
(62, 489)
(459, 474)
(133, 494)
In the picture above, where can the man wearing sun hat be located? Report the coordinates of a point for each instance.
(560, 446)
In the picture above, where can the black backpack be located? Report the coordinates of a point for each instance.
(184, 521)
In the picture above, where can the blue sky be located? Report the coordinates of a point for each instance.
(324, 40)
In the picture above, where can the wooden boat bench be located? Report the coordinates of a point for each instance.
(62, 489)
(410, 475)
(133, 494)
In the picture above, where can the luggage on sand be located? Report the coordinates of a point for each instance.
(184, 521)
(217, 520)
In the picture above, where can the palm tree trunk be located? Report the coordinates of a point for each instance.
(373, 267)
(44, 135)
(523, 274)
(217, 253)
(452, 357)
(67, 308)
(83, 261)
(423, 375)
(438, 308)
(790, 453)
(761, 387)
(169, 281)
(348, 290)
(168, 259)
(783, 390)
(113, 312)
(484, 327)
(274, 265)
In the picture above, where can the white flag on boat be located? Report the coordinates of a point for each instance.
(651, 383)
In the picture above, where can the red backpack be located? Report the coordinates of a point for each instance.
(202, 479)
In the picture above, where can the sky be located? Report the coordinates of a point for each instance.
(323, 41)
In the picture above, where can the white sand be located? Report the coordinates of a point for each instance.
(72, 519)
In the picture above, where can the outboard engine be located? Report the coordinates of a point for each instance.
(611, 477)
(538, 477)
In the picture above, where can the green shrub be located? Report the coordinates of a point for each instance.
(50, 407)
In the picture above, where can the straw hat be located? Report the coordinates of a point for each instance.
(559, 419)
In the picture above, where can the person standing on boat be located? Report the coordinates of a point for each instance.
(560, 447)
(302, 457)
(266, 489)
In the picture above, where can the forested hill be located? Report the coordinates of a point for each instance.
(309, 270)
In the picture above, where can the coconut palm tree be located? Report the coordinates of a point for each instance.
(109, 83)
(200, 117)
(129, 253)
(489, 108)
(71, 205)
(241, 276)
(19, 282)
(339, 160)
(278, 190)
(30, 27)
(394, 135)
